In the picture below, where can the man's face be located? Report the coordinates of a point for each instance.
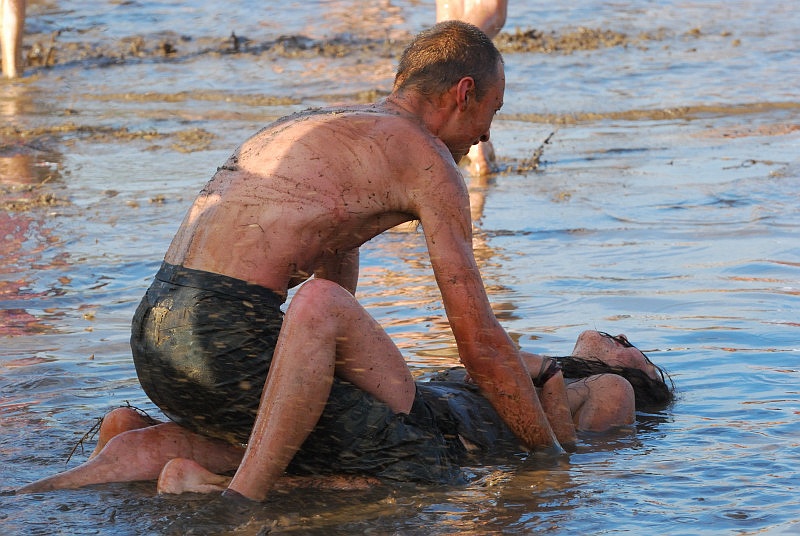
(473, 124)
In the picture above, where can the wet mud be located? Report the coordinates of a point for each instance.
(52, 52)
(682, 112)
(49, 51)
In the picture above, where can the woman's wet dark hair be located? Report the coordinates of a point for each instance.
(439, 57)
(649, 392)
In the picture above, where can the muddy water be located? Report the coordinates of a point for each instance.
(649, 186)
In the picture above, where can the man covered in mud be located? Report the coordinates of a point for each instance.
(244, 386)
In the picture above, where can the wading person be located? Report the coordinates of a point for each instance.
(243, 386)
(489, 16)
(12, 25)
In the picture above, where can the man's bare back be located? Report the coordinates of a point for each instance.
(306, 191)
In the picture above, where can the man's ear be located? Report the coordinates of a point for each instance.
(465, 91)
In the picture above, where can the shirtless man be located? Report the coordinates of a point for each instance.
(297, 200)
(599, 394)
(12, 22)
(489, 16)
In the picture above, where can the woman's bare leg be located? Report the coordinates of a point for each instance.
(325, 332)
(141, 455)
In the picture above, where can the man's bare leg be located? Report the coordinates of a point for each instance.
(325, 332)
(12, 23)
(141, 455)
(181, 475)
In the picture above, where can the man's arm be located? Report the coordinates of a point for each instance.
(488, 353)
(553, 397)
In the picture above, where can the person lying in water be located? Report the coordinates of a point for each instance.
(607, 379)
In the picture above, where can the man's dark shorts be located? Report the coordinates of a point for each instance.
(202, 345)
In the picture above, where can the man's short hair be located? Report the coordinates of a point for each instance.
(437, 58)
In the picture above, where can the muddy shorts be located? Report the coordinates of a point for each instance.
(202, 345)
(466, 416)
(358, 434)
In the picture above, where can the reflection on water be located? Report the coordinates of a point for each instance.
(27, 240)
(663, 205)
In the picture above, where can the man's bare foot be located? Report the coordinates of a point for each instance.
(481, 159)
(118, 421)
(181, 475)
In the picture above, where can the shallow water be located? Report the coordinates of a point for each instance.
(664, 207)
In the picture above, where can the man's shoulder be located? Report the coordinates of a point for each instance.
(375, 117)
(354, 138)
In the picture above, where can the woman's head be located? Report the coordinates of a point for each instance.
(597, 352)
(614, 350)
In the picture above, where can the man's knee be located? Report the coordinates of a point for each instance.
(318, 296)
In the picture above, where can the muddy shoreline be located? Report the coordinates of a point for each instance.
(52, 50)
